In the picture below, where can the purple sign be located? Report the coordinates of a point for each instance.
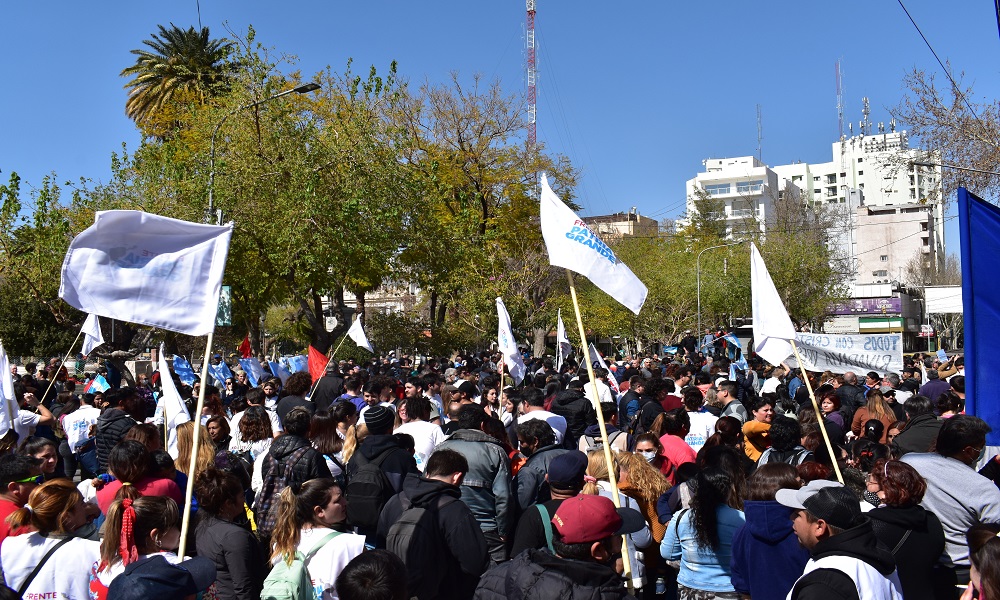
(868, 306)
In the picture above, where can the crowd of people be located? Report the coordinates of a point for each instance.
(443, 478)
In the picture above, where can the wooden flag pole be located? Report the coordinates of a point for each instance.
(315, 385)
(196, 435)
(819, 413)
(52, 380)
(612, 475)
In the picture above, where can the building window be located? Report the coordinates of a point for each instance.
(861, 172)
(881, 273)
(884, 258)
(861, 186)
(746, 187)
(815, 177)
(923, 227)
(717, 189)
(860, 159)
(843, 175)
(831, 178)
(913, 194)
(796, 178)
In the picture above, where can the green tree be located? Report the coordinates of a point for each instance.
(180, 66)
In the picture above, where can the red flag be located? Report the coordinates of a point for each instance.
(245, 350)
(317, 363)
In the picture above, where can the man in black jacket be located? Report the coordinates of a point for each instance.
(921, 429)
(846, 563)
(458, 556)
(329, 388)
(126, 409)
(587, 542)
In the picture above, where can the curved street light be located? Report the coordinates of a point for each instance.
(302, 89)
(698, 275)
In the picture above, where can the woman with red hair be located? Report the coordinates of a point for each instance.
(913, 535)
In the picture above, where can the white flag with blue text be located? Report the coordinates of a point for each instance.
(508, 347)
(147, 269)
(572, 245)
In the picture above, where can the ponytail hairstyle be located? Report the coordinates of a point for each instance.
(295, 509)
(866, 452)
(128, 525)
(597, 470)
(48, 508)
(129, 461)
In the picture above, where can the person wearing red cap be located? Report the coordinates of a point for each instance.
(587, 543)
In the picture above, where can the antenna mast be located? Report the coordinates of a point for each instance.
(532, 75)
(760, 134)
(840, 117)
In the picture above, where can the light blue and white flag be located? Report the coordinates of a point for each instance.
(184, 370)
(279, 370)
(253, 370)
(97, 384)
(297, 363)
(220, 373)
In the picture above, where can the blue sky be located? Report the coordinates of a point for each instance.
(637, 94)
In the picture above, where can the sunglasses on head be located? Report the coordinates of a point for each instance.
(36, 479)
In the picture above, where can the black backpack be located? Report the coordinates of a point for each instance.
(275, 480)
(417, 540)
(368, 490)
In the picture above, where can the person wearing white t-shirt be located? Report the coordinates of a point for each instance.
(322, 538)
(27, 420)
(533, 401)
(771, 383)
(702, 423)
(415, 413)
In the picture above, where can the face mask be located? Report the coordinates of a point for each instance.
(204, 419)
(872, 498)
(982, 455)
(648, 455)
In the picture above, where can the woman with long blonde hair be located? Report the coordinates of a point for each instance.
(876, 408)
(185, 441)
(597, 482)
(312, 519)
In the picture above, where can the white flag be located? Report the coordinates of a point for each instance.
(170, 406)
(357, 333)
(563, 346)
(772, 329)
(147, 269)
(572, 245)
(595, 357)
(508, 347)
(8, 401)
(92, 336)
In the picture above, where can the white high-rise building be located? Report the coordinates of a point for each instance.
(892, 208)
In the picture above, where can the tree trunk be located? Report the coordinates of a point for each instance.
(433, 308)
(538, 345)
(253, 330)
(442, 309)
(360, 296)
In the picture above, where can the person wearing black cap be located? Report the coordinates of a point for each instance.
(846, 561)
(565, 479)
(587, 542)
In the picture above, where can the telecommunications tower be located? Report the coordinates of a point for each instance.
(532, 75)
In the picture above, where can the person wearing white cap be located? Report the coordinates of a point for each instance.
(846, 562)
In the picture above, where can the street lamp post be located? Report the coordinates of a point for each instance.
(302, 89)
(698, 275)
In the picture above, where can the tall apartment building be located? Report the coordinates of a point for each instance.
(891, 209)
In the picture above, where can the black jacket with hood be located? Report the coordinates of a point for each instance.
(396, 465)
(831, 584)
(579, 414)
(463, 556)
(112, 426)
(310, 466)
(916, 553)
(538, 575)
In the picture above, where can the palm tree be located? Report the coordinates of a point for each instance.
(183, 65)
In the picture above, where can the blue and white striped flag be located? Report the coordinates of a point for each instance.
(183, 369)
(297, 363)
(253, 370)
(279, 370)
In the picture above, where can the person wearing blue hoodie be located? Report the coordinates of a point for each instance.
(767, 556)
